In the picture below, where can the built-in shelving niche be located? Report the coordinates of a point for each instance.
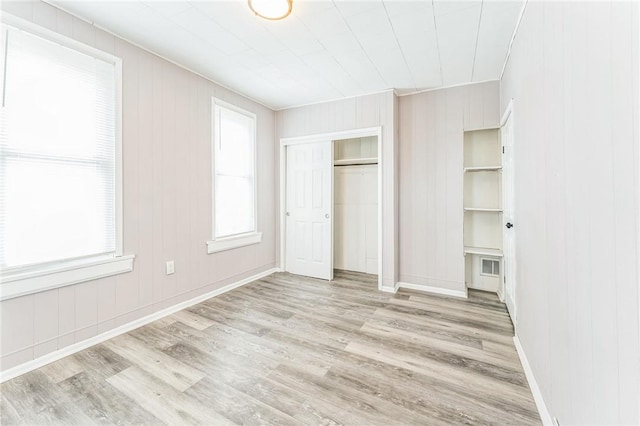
(482, 207)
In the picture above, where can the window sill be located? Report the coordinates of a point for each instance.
(63, 274)
(233, 242)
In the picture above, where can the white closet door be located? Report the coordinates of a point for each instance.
(508, 236)
(309, 245)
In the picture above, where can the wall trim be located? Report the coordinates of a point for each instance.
(77, 347)
(513, 37)
(62, 274)
(388, 289)
(451, 86)
(434, 290)
(545, 416)
(335, 99)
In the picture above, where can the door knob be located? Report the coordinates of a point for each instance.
(509, 225)
(327, 215)
(288, 214)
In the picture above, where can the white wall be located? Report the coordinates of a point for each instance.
(431, 179)
(573, 75)
(167, 203)
(356, 113)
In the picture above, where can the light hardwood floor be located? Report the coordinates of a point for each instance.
(293, 350)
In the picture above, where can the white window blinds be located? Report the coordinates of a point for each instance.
(57, 153)
(234, 179)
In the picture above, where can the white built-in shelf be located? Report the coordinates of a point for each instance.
(483, 169)
(355, 161)
(483, 251)
(477, 209)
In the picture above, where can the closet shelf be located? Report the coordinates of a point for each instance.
(477, 209)
(483, 169)
(483, 251)
(355, 161)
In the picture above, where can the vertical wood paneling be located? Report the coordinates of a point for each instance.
(405, 185)
(83, 32)
(66, 316)
(624, 134)
(16, 335)
(144, 261)
(182, 200)
(45, 323)
(45, 15)
(604, 324)
(571, 73)
(64, 23)
(167, 202)
(106, 299)
(169, 185)
(491, 105)
(454, 261)
(157, 188)
(559, 359)
(23, 9)
(431, 180)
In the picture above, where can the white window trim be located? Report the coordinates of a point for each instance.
(228, 243)
(216, 245)
(34, 279)
(64, 273)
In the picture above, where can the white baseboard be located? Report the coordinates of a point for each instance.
(77, 347)
(435, 290)
(545, 416)
(388, 289)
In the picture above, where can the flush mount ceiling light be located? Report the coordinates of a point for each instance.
(271, 9)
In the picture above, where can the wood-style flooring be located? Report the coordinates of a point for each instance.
(292, 350)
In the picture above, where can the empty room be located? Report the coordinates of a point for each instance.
(319, 212)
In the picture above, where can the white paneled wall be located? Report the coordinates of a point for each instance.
(167, 203)
(356, 113)
(573, 76)
(431, 179)
(355, 222)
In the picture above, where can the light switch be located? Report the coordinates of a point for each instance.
(170, 267)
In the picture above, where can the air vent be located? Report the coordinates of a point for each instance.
(489, 267)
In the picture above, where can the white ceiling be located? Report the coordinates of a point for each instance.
(325, 49)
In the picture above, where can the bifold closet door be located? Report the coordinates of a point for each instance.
(355, 238)
(308, 224)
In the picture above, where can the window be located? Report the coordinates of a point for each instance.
(234, 178)
(59, 157)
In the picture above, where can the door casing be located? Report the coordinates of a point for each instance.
(510, 298)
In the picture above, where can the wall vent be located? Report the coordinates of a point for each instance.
(489, 267)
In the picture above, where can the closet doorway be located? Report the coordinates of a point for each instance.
(355, 227)
(349, 223)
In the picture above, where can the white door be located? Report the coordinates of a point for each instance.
(309, 202)
(508, 232)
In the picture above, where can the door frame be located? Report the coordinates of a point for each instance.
(320, 137)
(508, 114)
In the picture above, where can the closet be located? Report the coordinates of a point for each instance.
(355, 239)
(483, 209)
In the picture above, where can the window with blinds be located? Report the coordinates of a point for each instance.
(234, 171)
(57, 152)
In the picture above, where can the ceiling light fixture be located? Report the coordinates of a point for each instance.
(271, 9)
